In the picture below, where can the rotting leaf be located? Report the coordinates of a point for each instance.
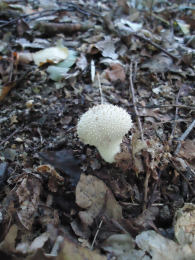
(93, 195)
(64, 161)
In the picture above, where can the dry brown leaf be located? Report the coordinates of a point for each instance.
(93, 195)
(6, 89)
(137, 147)
(28, 195)
(116, 72)
(8, 244)
(54, 176)
(187, 152)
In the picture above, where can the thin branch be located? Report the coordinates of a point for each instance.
(176, 114)
(183, 136)
(100, 88)
(146, 189)
(70, 8)
(96, 234)
(141, 37)
(110, 26)
(131, 87)
(166, 106)
(10, 136)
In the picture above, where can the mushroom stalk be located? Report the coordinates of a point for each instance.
(109, 151)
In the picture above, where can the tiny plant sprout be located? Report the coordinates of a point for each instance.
(104, 127)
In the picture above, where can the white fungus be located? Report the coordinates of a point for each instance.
(104, 127)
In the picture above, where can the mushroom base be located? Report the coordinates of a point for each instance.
(108, 151)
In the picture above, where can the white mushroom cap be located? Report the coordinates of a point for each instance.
(104, 127)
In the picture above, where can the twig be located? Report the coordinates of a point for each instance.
(183, 136)
(10, 136)
(166, 106)
(96, 234)
(100, 88)
(70, 8)
(141, 37)
(176, 114)
(146, 189)
(56, 246)
(131, 87)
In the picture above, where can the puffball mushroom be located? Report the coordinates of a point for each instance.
(104, 127)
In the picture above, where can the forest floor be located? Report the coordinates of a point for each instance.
(59, 199)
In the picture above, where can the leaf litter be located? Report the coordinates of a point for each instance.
(135, 54)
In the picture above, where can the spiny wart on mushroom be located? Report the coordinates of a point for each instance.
(104, 127)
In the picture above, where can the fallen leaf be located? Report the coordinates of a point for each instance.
(8, 244)
(82, 62)
(184, 224)
(187, 152)
(28, 192)
(107, 48)
(5, 89)
(158, 63)
(60, 70)
(116, 72)
(93, 195)
(50, 55)
(127, 26)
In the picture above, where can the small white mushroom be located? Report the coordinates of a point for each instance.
(104, 127)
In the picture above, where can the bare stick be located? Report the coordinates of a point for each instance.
(10, 136)
(146, 189)
(131, 87)
(184, 135)
(100, 88)
(96, 234)
(166, 106)
(141, 37)
(176, 114)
